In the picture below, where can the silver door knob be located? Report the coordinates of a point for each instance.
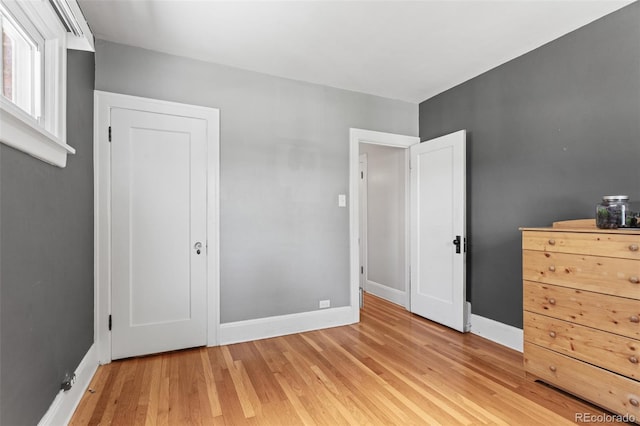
(198, 247)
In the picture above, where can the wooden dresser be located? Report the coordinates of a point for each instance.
(581, 300)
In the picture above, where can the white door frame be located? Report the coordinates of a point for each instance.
(363, 231)
(103, 102)
(356, 137)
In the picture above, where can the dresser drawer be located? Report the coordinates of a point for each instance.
(589, 243)
(609, 351)
(610, 313)
(620, 277)
(602, 387)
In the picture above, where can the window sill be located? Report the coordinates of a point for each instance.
(22, 134)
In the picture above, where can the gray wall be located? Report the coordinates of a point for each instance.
(550, 133)
(284, 160)
(46, 263)
(386, 183)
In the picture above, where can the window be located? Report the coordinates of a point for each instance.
(20, 67)
(33, 52)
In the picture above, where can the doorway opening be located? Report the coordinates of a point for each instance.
(384, 246)
(379, 139)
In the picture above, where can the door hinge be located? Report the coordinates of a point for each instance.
(362, 269)
(361, 175)
(109, 133)
(109, 322)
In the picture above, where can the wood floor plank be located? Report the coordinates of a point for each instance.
(391, 368)
(210, 383)
(154, 396)
(162, 416)
(245, 393)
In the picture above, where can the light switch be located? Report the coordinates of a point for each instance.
(342, 200)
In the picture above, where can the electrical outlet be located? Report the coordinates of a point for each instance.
(324, 304)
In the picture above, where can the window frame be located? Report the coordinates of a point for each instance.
(43, 138)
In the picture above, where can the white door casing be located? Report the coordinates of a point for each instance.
(438, 210)
(104, 103)
(158, 252)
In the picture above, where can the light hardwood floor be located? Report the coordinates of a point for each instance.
(391, 368)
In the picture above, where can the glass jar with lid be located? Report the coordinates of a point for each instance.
(612, 211)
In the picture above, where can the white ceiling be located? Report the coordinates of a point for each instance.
(396, 49)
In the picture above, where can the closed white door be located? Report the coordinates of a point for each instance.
(438, 230)
(159, 210)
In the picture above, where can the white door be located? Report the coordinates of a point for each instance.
(438, 230)
(159, 210)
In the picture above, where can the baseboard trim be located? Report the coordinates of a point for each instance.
(65, 403)
(387, 293)
(264, 328)
(498, 332)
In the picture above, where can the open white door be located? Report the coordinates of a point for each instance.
(159, 232)
(438, 230)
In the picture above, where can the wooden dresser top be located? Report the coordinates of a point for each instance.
(583, 225)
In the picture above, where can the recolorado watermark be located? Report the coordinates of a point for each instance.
(604, 418)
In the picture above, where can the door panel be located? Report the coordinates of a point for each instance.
(438, 178)
(159, 173)
(153, 187)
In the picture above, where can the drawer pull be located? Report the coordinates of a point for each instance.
(552, 334)
(634, 318)
(633, 359)
(633, 247)
(552, 242)
(552, 268)
(634, 280)
(552, 301)
(633, 402)
(552, 368)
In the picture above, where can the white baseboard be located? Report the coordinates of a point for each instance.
(65, 403)
(498, 332)
(387, 293)
(263, 328)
